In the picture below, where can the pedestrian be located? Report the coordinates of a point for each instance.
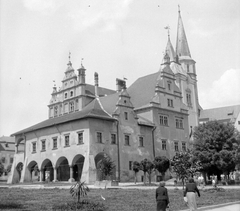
(162, 197)
(190, 192)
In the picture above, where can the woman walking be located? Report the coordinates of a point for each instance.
(190, 193)
(162, 197)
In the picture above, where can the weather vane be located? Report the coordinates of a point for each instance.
(168, 28)
(69, 56)
(81, 61)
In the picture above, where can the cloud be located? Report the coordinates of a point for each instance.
(46, 6)
(104, 14)
(224, 91)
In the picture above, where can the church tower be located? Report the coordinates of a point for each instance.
(187, 84)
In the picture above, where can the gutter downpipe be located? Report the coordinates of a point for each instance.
(118, 151)
(153, 141)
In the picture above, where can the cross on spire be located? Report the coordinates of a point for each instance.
(81, 61)
(69, 56)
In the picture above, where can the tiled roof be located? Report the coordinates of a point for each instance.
(143, 90)
(223, 113)
(101, 91)
(93, 109)
(7, 143)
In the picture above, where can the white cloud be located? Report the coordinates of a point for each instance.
(45, 6)
(223, 92)
(104, 14)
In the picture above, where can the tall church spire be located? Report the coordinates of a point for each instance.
(182, 48)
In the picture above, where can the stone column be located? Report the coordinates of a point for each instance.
(55, 174)
(71, 174)
(16, 148)
(41, 175)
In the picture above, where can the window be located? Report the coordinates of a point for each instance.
(170, 102)
(130, 165)
(60, 110)
(80, 138)
(141, 141)
(163, 120)
(71, 93)
(169, 86)
(184, 146)
(11, 159)
(71, 106)
(113, 139)
(65, 108)
(164, 145)
(55, 111)
(187, 67)
(65, 95)
(43, 145)
(176, 146)
(239, 122)
(76, 104)
(127, 140)
(65, 84)
(179, 123)
(3, 159)
(126, 115)
(188, 95)
(34, 147)
(99, 137)
(54, 143)
(67, 140)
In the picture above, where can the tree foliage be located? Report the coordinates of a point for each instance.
(147, 166)
(215, 146)
(2, 170)
(106, 166)
(185, 165)
(136, 168)
(162, 164)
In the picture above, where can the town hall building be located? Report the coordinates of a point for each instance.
(152, 117)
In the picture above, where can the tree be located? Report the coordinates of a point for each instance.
(215, 146)
(136, 168)
(79, 190)
(185, 165)
(161, 164)
(1, 169)
(147, 167)
(106, 166)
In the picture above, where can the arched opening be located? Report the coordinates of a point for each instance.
(19, 169)
(63, 169)
(47, 171)
(77, 164)
(34, 171)
(98, 158)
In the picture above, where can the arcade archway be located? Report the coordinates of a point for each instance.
(63, 169)
(77, 165)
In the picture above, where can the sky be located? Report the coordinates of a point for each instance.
(116, 39)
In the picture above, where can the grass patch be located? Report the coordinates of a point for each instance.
(116, 199)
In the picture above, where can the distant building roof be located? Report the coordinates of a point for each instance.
(223, 114)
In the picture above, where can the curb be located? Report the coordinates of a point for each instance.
(214, 206)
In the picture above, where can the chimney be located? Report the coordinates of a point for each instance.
(120, 84)
(96, 84)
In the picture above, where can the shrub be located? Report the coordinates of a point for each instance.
(79, 190)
